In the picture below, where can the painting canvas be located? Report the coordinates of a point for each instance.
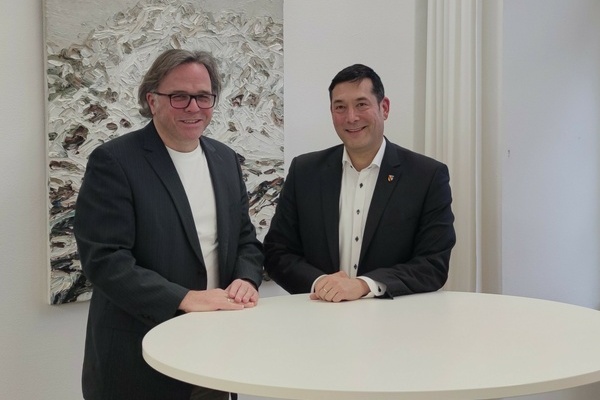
(97, 53)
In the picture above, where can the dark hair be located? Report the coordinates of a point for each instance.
(165, 63)
(356, 73)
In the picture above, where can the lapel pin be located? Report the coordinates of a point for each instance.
(390, 178)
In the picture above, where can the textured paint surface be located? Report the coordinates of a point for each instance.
(92, 98)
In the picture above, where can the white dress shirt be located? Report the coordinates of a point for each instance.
(355, 199)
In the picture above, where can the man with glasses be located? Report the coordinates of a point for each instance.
(366, 218)
(162, 228)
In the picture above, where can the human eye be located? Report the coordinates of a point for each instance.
(362, 106)
(339, 108)
(204, 99)
(180, 99)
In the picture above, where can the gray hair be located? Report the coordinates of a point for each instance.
(169, 60)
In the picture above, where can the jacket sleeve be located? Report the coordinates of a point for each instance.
(424, 263)
(105, 231)
(249, 257)
(285, 259)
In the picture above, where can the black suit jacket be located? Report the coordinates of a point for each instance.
(140, 250)
(408, 234)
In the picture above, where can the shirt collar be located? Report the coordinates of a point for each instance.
(376, 160)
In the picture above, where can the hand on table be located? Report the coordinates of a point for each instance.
(339, 287)
(243, 292)
(239, 295)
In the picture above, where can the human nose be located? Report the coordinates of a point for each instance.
(193, 105)
(351, 114)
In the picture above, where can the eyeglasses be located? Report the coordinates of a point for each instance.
(181, 101)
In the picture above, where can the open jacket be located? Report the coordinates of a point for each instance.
(139, 248)
(408, 235)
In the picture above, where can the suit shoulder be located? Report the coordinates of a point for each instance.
(214, 143)
(123, 142)
(214, 146)
(414, 157)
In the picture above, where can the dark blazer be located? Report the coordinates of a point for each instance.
(140, 250)
(408, 233)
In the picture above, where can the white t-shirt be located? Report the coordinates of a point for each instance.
(195, 176)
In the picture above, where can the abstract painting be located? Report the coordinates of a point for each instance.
(97, 53)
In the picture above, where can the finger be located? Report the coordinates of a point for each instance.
(317, 295)
(325, 293)
(255, 296)
(234, 287)
(237, 285)
(241, 293)
(328, 296)
(336, 297)
(320, 295)
(243, 297)
(321, 283)
(231, 304)
(239, 305)
(251, 295)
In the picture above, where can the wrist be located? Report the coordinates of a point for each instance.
(183, 305)
(364, 287)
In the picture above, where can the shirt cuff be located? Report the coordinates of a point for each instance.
(312, 288)
(377, 288)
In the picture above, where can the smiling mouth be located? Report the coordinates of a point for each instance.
(355, 130)
(191, 121)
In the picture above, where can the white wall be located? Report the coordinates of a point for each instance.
(551, 132)
(551, 149)
(549, 249)
(323, 37)
(41, 345)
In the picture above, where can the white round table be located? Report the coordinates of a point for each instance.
(442, 345)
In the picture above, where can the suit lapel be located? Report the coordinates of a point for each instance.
(331, 185)
(220, 174)
(161, 163)
(390, 174)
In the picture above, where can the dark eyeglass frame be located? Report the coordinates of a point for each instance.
(190, 97)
